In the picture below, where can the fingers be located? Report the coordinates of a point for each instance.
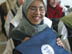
(59, 42)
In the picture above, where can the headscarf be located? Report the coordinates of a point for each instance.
(25, 26)
(53, 12)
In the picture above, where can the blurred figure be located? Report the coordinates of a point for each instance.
(2, 14)
(53, 9)
(68, 22)
(55, 12)
(20, 2)
(12, 13)
(15, 21)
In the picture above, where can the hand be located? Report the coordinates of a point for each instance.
(26, 38)
(59, 42)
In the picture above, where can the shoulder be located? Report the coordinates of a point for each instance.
(16, 34)
(17, 18)
(48, 22)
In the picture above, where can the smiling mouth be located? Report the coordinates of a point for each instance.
(36, 18)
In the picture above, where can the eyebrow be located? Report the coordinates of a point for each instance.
(32, 6)
(36, 7)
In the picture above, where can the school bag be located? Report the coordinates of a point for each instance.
(41, 43)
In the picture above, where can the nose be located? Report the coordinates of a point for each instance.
(37, 11)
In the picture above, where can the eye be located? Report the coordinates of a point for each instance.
(33, 8)
(42, 9)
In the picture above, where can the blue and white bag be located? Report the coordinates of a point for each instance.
(41, 43)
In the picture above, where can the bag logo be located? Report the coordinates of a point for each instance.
(47, 49)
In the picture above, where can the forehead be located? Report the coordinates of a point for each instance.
(54, 0)
(37, 3)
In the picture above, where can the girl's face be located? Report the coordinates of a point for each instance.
(54, 3)
(36, 12)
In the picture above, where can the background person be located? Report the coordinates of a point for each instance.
(55, 12)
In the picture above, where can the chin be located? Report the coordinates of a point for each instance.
(54, 6)
(36, 23)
